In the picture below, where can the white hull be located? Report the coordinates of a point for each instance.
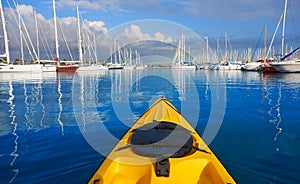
(230, 67)
(129, 67)
(185, 67)
(91, 68)
(48, 68)
(140, 67)
(287, 67)
(253, 66)
(10, 68)
(101, 67)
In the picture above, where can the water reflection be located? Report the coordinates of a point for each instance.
(14, 154)
(273, 86)
(60, 106)
(183, 82)
(26, 112)
(87, 97)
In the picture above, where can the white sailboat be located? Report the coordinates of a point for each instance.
(284, 65)
(228, 63)
(8, 67)
(116, 63)
(128, 57)
(256, 66)
(289, 66)
(139, 65)
(85, 67)
(65, 66)
(180, 56)
(47, 65)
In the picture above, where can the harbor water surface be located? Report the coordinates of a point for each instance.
(58, 128)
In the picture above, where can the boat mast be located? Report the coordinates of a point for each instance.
(95, 48)
(5, 34)
(226, 47)
(37, 36)
(79, 37)
(183, 50)
(207, 60)
(265, 41)
(283, 28)
(55, 32)
(21, 34)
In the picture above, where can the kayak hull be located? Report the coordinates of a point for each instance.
(197, 165)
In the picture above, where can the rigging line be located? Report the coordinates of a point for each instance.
(28, 37)
(256, 47)
(45, 46)
(12, 32)
(270, 46)
(65, 40)
(16, 20)
(293, 21)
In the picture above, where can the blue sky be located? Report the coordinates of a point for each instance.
(243, 20)
(210, 17)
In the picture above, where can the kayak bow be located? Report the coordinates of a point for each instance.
(161, 147)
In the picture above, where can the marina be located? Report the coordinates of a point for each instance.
(49, 123)
(120, 100)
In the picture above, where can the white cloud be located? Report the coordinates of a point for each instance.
(161, 37)
(68, 20)
(46, 33)
(134, 33)
(98, 26)
(25, 10)
(131, 34)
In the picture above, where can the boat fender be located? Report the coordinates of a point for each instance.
(162, 168)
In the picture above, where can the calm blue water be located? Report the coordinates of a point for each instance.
(54, 127)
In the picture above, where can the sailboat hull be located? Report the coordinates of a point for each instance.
(10, 68)
(252, 66)
(67, 68)
(287, 67)
(185, 67)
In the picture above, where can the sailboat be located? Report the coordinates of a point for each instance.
(292, 65)
(256, 66)
(8, 67)
(179, 58)
(116, 64)
(285, 65)
(65, 66)
(85, 67)
(228, 63)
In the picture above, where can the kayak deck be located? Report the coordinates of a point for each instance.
(161, 147)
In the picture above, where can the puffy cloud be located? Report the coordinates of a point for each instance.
(132, 34)
(161, 37)
(67, 32)
(68, 20)
(98, 26)
(25, 10)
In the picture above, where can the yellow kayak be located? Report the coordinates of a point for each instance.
(161, 147)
